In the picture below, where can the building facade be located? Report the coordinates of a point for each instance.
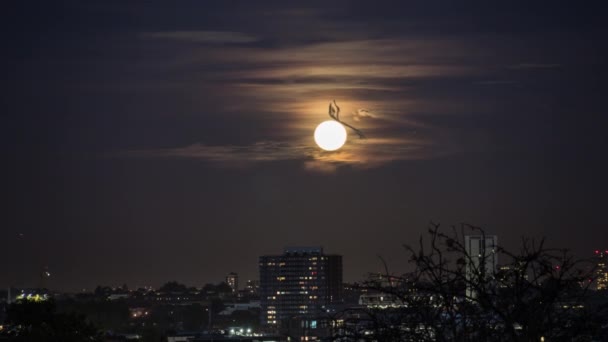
(252, 287)
(482, 259)
(300, 283)
(601, 270)
(232, 279)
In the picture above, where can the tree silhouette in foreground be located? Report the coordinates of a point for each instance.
(536, 294)
(39, 321)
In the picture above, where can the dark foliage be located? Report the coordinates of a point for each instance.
(39, 321)
(536, 293)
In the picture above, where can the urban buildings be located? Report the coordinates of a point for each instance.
(508, 275)
(482, 258)
(232, 279)
(601, 271)
(299, 284)
(375, 296)
(252, 287)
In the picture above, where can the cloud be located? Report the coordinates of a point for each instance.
(361, 153)
(495, 82)
(522, 66)
(362, 113)
(216, 37)
(231, 154)
(284, 90)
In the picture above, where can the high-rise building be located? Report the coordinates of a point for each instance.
(601, 270)
(482, 259)
(232, 279)
(300, 284)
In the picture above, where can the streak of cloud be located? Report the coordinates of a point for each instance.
(366, 153)
(202, 36)
(288, 87)
(363, 113)
(522, 66)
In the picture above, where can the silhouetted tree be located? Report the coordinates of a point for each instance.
(195, 317)
(39, 321)
(537, 292)
(221, 289)
(173, 287)
(106, 314)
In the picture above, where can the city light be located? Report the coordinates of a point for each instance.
(186, 172)
(36, 297)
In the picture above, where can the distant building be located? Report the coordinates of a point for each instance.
(379, 300)
(351, 293)
(509, 275)
(252, 287)
(232, 279)
(230, 308)
(482, 259)
(384, 280)
(378, 294)
(601, 271)
(299, 284)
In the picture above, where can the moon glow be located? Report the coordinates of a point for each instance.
(330, 135)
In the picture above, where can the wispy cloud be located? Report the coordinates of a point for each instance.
(288, 87)
(521, 66)
(362, 153)
(362, 113)
(495, 82)
(202, 36)
(232, 154)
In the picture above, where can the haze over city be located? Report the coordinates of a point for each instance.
(149, 142)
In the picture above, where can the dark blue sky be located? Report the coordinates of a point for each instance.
(144, 141)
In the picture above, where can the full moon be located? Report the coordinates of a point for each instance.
(330, 135)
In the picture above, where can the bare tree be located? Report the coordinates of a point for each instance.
(538, 293)
(334, 113)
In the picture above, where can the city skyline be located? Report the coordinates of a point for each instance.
(144, 143)
(42, 277)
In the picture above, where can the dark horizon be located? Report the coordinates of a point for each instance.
(145, 143)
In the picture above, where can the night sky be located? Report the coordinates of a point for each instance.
(144, 142)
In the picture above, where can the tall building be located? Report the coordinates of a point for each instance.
(299, 284)
(601, 271)
(482, 259)
(232, 279)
